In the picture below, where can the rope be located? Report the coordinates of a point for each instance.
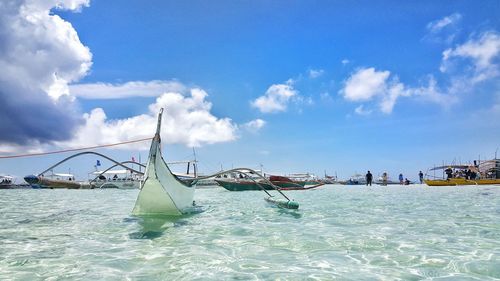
(70, 150)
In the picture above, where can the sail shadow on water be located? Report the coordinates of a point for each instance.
(155, 226)
(151, 227)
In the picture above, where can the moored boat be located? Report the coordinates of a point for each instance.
(274, 182)
(242, 184)
(56, 180)
(121, 179)
(6, 182)
(479, 173)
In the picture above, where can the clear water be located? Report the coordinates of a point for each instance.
(345, 233)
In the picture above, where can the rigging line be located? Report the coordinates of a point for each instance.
(72, 149)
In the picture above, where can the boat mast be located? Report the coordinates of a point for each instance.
(195, 164)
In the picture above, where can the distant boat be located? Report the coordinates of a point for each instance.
(241, 183)
(356, 179)
(6, 182)
(484, 173)
(305, 179)
(121, 179)
(55, 180)
(162, 193)
(232, 184)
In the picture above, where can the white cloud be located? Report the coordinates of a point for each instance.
(276, 98)
(345, 61)
(361, 111)
(44, 50)
(365, 84)
(368, 84)
(254, 125)
(40, 53)
(438, 25)
(315, 73)
(482, 51)
(129, 89)
(186, 120)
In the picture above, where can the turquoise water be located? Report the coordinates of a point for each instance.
(339, 232)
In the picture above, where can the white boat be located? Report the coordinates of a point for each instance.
(6, 182)
(162, 193)
(121, 179)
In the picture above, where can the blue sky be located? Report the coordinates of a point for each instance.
(297, 86)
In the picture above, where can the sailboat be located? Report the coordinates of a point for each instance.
(162, 193)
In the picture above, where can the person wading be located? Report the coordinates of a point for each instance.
(369, 178)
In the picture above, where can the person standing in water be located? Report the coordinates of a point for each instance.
(401, 178)
(369, 178)
(421, 177)
(384, 178)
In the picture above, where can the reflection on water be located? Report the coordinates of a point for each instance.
(152, 227)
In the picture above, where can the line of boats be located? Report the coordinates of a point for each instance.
(479, 173)
(164, 193)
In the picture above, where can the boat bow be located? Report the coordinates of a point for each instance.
(162, 193)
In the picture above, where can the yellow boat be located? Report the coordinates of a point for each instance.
(461, 181)
(481, 173)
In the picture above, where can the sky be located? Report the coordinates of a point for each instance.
(336, 87)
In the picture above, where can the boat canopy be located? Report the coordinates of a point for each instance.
(6, 177)
(62, 175)
(112, 172)
(451, 166)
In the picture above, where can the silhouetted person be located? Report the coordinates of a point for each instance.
(421, 177)
(369, 178)
(400, 178)
(449, 173)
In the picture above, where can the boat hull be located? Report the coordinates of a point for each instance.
(243, 185)
(460, 181)
(41, 182)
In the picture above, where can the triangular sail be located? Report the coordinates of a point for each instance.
(162, 193)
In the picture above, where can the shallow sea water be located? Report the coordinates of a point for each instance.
(339, 232)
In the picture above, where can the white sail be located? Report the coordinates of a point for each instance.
(162, 193)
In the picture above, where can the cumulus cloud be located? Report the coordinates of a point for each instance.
(365, 84)
(276, 98)
(254, 125)
(186, 120)
(40, 53)
(368, 84)
(438, 25)
(129, 89)
(465, 65)
(482, 51)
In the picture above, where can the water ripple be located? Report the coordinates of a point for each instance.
(347, 233)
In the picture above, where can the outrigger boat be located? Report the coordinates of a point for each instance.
(54, 181)
(280, 182)
(484, 173)
(162, 193)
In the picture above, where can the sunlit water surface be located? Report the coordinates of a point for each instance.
(339, 232)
